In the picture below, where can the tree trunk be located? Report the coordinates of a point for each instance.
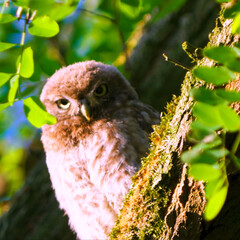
(164, 202)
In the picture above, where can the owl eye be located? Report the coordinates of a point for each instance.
(101, 90)
(63, 103)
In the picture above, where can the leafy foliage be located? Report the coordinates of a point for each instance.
(208, 158)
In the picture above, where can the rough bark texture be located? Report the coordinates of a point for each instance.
(164, 202)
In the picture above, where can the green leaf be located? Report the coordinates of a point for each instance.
(236, 160)
(14, 84)
(4, 46)
(215, 75)
(4, 77)
(218, 153)
(43, 26)
(214, 97)
(42, 5)
(60, 11)
(27, 64)
(21, 3)
(7, 18)
(3, 106)
(230, 96)
(205, 172)
(233, 11)
(129, 13)
(217, 116)
(221, 54)
(197, 156)
(229, 118)
(228, 56)
(199, 131)
(134, 3)
(215, 203)
(214, 186)
(203, 152)
(205, 95)
(207, 115)
(207, 144)
(36, 113)
(236, 24)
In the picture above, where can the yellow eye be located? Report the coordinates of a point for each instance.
(101, 90)
(63, 103)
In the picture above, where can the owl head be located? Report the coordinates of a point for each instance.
(89, 90)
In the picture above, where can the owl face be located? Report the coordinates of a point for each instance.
(89, 90)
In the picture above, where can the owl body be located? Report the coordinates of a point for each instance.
(94, 149)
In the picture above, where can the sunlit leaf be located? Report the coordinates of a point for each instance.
(221, 54)
(130, 11)
(194, 156)
(229, 118)
(236, 160)
(207, 114)
(134, 3)
(4, 106)
(205, 95)
(42, 5)
(203, 152)
(36, 113)
(216, 116)
(229, 56)
(43, 26)
(14, 84)
(215, 203)
(213, 186)
(205, 172)
(233, 11)
(219, 152)
(60, 11)
(4, 77)
(230, 96)
(200, 131)
(21, 3)
(27, 64)
(6, 18)
(4, 46)
(236, 24)
(215, 75)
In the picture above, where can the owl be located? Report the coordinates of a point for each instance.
(96, 146)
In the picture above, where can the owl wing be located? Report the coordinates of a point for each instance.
(146, 116)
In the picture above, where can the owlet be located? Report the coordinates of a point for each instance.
(96, 146)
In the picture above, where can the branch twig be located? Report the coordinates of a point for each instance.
(175, 62)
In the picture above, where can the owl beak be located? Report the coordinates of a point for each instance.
(85, 109)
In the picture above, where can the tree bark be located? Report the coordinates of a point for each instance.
(164, 202)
